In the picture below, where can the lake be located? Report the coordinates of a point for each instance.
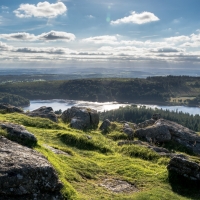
(62, 104)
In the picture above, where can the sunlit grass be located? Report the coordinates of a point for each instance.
(93, 157)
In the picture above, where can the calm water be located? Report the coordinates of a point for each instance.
(57, 104)
(62, 104)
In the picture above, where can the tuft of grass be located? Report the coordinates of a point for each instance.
(32, 121)
(139, 152)
(83, 142)
(117, 136)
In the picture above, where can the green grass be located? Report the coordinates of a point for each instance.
(97, 157)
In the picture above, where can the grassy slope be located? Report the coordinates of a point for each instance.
(92, 160)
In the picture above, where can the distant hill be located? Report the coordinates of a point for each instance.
(157, 90)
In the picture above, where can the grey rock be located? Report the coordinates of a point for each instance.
(185, 168)
(156, 116)
(164, 131)
(9, 108)
(104, 126)
(155, 133)
(18, 133)
(146, 123)
(44, 112)
(129, 132)
(26, 174)
(126, 125)
(81, 117)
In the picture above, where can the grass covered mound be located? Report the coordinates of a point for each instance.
(92, 166)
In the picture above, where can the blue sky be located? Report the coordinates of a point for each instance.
(134, 32)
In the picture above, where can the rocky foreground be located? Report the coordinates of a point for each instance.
(26, 174)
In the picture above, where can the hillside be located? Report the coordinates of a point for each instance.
(159, 90)
(91, 164)
(12, 99)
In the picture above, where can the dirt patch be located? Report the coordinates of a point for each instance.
(118, 186)
(56, 151)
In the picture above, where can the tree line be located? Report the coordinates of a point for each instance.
(139, 114)
(14, 100)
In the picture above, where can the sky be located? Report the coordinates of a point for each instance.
(142, 34)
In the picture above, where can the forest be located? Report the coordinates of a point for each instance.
(157, 90)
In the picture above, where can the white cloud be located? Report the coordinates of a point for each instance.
(166, 50)
(105, 39)
(4, 47)
(178, 39)
(48, 50)
(18, 36)
(56, 35)
(136, 18)
(41, 10)
(50, 36)
(90, 16)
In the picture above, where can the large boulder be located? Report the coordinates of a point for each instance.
(81, 117)
(44, 112)
(18, 133)
(9, 108)
(26, 174)
(185, 168)
(164, 130)
(154, 133)
(105, 125)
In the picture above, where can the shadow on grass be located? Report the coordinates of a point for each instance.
(174, 146)
(184, 186)
(83, 142)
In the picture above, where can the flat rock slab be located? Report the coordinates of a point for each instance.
(56, 151)
(26, 174)
(18, 132)
(118, 186)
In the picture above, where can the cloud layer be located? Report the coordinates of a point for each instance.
(136, 18)
(41, 10)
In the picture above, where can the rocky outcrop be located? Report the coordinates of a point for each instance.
(105, 125)
(185, 168)
(81, 117)
(128, 130)
(18, 133)
(10, 109)
(146, 123)
(154, 133)
(44, 112)
(163, 131)
(25, 174)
